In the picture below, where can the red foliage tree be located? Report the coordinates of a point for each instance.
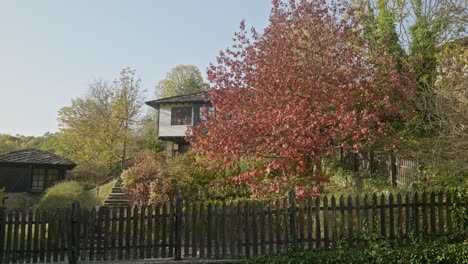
(288, 97)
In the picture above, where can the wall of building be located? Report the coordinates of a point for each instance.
(15, 179)
(165, 128)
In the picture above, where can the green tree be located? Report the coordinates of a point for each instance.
(386, 32)
(183, 79)
(98, 130)
(127, 105)
(10, 143)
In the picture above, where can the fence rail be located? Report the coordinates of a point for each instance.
(219, 230)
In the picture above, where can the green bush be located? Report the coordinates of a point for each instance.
(63, 194)
(429, 252)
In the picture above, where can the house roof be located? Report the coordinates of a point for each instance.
(201, 97)
(36, 157)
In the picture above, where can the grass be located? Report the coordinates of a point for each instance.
(104, 191)
(63, 194)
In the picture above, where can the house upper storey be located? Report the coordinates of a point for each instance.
(176, 113)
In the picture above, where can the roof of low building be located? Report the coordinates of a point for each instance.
(200, 97)
(36, 157)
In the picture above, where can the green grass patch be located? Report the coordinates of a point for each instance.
(63, 194)
(104, 191)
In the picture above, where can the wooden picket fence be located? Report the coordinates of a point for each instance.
(400, 171)
(183, 230)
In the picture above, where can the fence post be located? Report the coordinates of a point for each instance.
(178, 229)
(2, 232)
(75, 233)
(292, 218)
(393, 170)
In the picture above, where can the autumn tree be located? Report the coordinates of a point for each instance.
(183, 79)
(288, 97)
(97, 130)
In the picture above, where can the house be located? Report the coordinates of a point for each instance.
(176, 114)
(31, 170)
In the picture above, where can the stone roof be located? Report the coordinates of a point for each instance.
(36, 157)
(201, 97)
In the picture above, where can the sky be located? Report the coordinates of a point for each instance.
(51, 50)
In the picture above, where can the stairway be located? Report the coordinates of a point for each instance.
(117, 197)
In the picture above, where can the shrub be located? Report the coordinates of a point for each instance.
(429, 252)
(63, 194)
(148, 180)
(156, 178)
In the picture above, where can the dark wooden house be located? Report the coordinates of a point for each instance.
(32, 170)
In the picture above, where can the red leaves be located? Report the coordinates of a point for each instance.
(287, 98)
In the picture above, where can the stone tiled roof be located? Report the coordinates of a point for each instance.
(200, 97)
(35, 156)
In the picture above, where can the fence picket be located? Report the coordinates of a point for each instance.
(433, 214)
(29, 246)
(440, 200)
(342, 217)
(254, 228)
(186, 228)
(22, 241)
(128, 230)
(149, 232)
(99, 233)
(416, 213)
(239, 229)
(270, 229)
(106, 233)
(278, 226)
(262, 228)
(391, 218)
(334, 226)
(309, 223)
(171, 229)
(36, 237)
(350, 220)
(246, 229)
(113, 237)
(383, 229)
(134, 244)
(358, 217)
(326, 238)
(425, 227)
(286, 220)
(209, 228)
(195, 219)
(408, 215)
(121, 233)
(399, 216)
(163, 231)
(225, 230)
(318, 235)
(157, 228)
(301, 221)
(202, 231)
(141, 236)
(232, 230)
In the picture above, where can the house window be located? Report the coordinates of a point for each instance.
(181, 116)
(38, 180)
(43, 178)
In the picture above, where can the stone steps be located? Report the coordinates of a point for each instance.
(117, 197)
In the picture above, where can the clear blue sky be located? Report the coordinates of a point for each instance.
(51, 50)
